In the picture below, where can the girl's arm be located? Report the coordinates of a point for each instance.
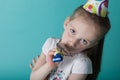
(42, 72)
(37, 63)
(77, 76)
(42, 68)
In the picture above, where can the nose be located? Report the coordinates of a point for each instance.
(72, 43)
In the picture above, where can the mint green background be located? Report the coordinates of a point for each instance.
(26, 24)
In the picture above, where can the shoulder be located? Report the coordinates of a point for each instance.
(52, 40)
(82, 64)
(49, 44)
(82, 58)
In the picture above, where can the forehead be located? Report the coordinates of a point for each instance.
(85, 28)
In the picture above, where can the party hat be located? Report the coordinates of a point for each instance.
(98, 7)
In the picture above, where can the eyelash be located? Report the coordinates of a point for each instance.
(83, 42)
(72, 31)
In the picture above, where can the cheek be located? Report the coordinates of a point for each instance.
(65, 37)
(66, 34)
(81, 47)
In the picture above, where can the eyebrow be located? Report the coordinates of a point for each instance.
(72, 26)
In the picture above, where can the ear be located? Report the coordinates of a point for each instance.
(66, 22)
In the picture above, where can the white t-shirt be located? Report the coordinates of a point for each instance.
(78, 64)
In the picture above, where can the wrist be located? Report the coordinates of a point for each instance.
(51, 65)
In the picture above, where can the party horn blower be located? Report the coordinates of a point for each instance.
(58, 56)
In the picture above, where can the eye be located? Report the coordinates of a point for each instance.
(83, 42)
(72, 31)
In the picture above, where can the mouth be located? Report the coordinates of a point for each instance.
(63, 48)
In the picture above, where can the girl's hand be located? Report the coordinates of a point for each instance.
(38, 62)
(50, 58)
(34, 61)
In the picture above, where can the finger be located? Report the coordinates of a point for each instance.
(31, 66)
(53, 50)
(33, 61)
(57, 63)
(37, 58)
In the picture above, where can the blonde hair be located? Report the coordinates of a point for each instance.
(103, 22)
(95, 53)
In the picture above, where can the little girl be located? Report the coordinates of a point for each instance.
(81, 43)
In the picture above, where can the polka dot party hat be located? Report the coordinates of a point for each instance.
(98, 7)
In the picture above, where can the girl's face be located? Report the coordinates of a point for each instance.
(79, 34)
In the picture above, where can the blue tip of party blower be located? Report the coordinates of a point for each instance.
(57, 57)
